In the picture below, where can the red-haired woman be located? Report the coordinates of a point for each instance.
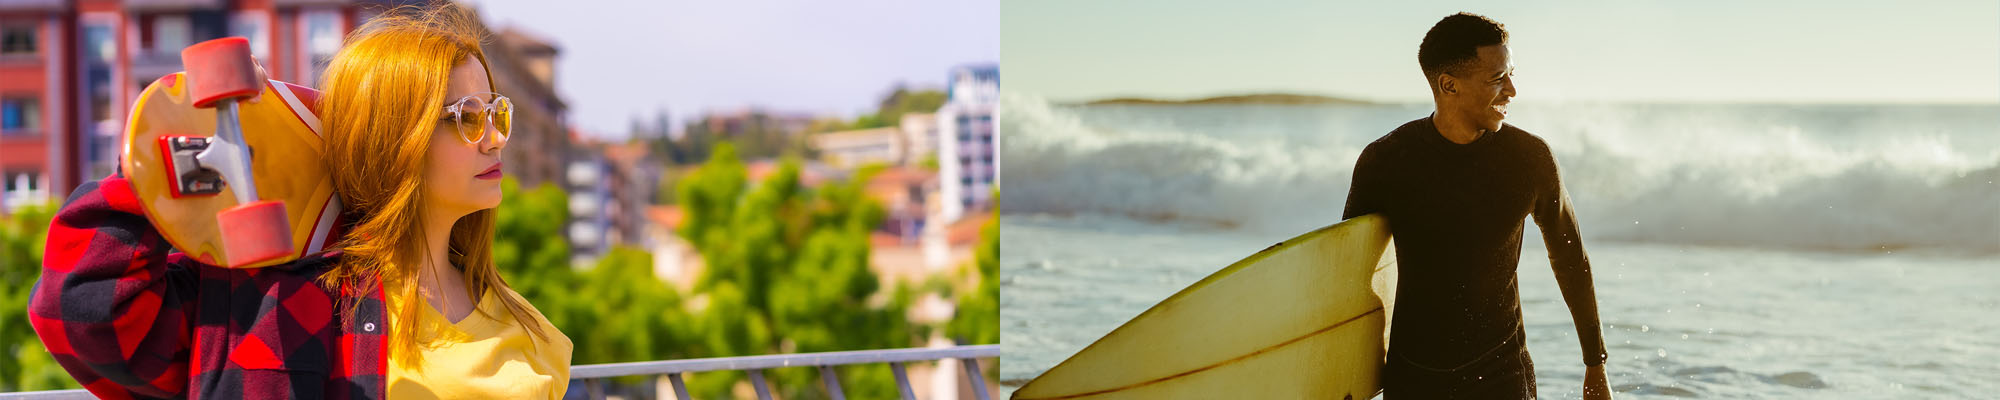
(409, 305)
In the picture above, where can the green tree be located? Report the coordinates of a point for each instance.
(615, 311)
(24, 363)
(634, 315)
(528, 244)
(889, 112)
(759, 134)
(978, 318)
(903, 101)
(788, 271)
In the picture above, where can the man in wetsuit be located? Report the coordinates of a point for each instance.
(1456, 187)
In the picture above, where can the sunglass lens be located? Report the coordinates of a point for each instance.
(471, 119)
(503, 116)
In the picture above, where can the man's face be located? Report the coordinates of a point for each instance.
(1481, 94)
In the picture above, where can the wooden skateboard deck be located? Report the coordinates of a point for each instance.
(285, 138)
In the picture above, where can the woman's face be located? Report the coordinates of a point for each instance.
(462, 177)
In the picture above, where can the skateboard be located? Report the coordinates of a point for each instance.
(227, 181)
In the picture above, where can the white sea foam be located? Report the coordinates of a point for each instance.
(1835, 177)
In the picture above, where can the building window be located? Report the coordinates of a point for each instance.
(322, 40)
(250, 25)
(171, 33)
(17, 40)
(98, 52)
(16, 181)
(20, 116)
(97, 43)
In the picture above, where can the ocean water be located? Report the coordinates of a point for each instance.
(1740, 251)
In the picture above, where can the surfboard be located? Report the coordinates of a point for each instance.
(1305, 318)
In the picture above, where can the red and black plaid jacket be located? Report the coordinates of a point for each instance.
(131, 319)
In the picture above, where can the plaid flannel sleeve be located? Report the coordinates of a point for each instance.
(112, 305)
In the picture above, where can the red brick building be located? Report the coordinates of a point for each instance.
(69, 70)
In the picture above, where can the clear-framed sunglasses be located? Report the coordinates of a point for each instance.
(471, 114)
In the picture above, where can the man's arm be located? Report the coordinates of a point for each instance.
(1572, 266)
(1364, 192)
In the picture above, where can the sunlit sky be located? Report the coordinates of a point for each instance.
(1673, 51)
(622, 60)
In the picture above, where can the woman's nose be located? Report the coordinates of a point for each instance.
(491, 141)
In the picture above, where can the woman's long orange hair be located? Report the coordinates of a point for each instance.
(383, 94)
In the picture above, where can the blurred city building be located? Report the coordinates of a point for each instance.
(968, 149)
(920, 132)
(856, 148)
(610, 188)
(70, 70)
(523, 69)
(906, 193)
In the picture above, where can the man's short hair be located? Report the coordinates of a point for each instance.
(1455, 41)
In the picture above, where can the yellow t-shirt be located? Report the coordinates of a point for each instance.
(487, 355)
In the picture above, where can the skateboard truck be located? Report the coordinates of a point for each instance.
(188, 176)
(220, 72)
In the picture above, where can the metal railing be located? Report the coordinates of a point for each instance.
(592, 376)
(968, 356)
(48, 395)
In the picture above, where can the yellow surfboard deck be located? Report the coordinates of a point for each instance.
(1301, 319)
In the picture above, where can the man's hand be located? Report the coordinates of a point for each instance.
(1595, 386)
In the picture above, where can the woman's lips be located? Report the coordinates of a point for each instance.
(491, 172)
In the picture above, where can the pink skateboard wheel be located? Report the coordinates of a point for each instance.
(255, 232)
(220, 69)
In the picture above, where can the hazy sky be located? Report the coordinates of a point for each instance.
(1782, 51)
(626, 59)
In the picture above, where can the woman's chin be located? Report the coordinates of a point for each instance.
(490, 204)
(486, 199)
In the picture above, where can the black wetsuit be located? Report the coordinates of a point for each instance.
(1456, 212)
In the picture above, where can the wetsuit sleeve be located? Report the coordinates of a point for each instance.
(1572, 267)
(1365, 192)
(113, 306)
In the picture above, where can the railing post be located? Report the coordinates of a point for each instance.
(593, 388)
(902, 381)
(832, 381)
(757, 381)
(978, 379)
(680, 388)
